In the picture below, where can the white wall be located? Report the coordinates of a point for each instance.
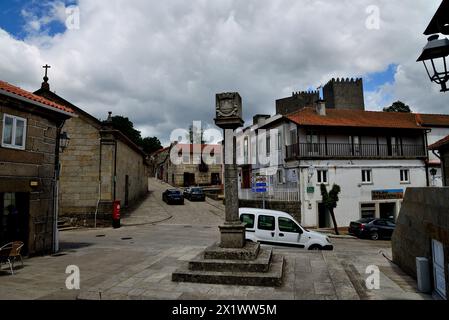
(347, 174)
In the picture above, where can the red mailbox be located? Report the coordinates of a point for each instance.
(116, 214)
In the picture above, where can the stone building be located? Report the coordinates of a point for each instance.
(100, 165)
(338, 94)
(30, 131)
(344, 94)
(297, 101)
(191, 170)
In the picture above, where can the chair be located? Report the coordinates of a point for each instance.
(15, 252)
(4, 255)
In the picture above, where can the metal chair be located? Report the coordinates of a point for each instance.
(5, 256)
(15, 252)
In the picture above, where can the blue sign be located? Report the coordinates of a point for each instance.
(261, 190)
(262, 184)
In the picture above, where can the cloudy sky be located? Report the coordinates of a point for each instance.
(160, 63)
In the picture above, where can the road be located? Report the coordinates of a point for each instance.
(136, 262)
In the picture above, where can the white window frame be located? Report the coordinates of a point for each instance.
(13, 136)
(401, 176)
(319, 176)
(280, 176)
(364, 176)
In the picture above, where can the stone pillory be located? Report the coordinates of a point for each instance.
(232, 260)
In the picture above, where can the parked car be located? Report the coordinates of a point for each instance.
(277, 227)
(186, 192)
(195, 194)
(173, 196)
(372, 228)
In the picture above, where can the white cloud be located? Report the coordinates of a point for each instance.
(161, 62)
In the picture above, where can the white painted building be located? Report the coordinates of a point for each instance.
(372, 156)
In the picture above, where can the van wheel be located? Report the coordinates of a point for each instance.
(315, 247)
(374, 235)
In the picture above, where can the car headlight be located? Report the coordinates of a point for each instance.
(328, 240)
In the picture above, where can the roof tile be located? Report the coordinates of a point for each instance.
(5, 86)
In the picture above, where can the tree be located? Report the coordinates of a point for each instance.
(151, 144)
(329, 200)
(148, 144)
(127, 128)
(398, 106)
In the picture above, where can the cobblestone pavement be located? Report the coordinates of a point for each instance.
(136, 262)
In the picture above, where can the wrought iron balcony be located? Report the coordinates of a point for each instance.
(348, 150)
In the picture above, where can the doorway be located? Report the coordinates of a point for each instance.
(387, 210)
(324, 217)
(215, 179)
(14, 218)
(439, 279)
(189, 179)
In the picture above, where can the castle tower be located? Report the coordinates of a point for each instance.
(344, 94)
(297, 101)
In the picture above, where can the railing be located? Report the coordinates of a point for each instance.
(335, 150)
(273, 193)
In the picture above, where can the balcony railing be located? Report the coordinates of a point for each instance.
(274, 193)
(348, 150)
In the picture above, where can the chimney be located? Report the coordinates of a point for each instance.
(321, 107)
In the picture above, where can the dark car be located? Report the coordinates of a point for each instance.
(186, 192)
(196, 194)
(173, 196)
(372, 228)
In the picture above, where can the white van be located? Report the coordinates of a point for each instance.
(277, 227)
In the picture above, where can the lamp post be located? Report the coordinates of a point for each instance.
(436, 50)
(434, 59)
(64, 140)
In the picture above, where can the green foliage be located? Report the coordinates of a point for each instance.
(127, 128)
(330, 198)
(148, 144)
(398, 106)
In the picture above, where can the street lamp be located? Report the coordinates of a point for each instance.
(434, 59)
(64, 140)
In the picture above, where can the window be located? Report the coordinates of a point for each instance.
(245, 151)
(293, 137)
(287, 225)
(14, 132)
(279, 141)
(367, 176)
(248, 220)
(368, 210)
(266, 223)
(280, 176)
(322, 176)
(405, 176)
(268, 144)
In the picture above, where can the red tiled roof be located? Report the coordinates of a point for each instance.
(355, 118)
(439, 143)
(4, 86)
(430, 120)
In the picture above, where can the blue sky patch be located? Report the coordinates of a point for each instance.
(16, 15)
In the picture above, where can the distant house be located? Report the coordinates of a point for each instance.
(99, 166)
(30, 129)
(191, 169)
(442, 147)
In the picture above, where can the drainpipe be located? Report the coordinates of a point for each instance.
(427, 157)
(99, 185)
(115, 167)
(56, 190)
